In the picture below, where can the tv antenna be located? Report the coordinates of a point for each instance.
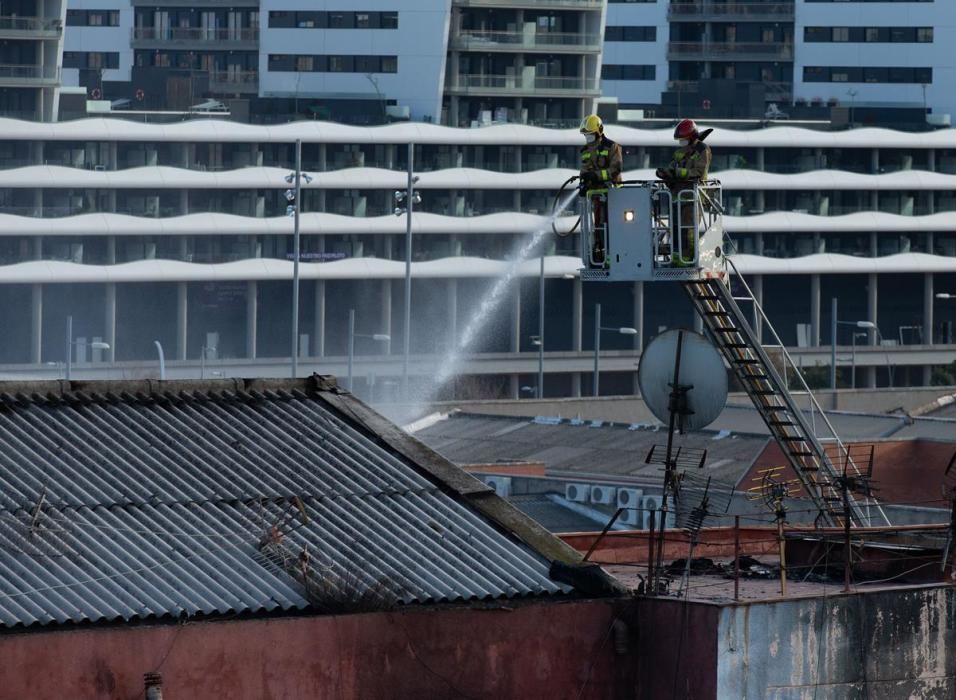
(774, 489)
(684, 384)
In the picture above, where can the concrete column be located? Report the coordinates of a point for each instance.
(109, 322)
(252, 318)
(577, 307)
(319, 319)
(815, 310)
(758, 297)
(452, 313)
(36, 323)
(385, 321)
(182, 297)
(638, 324)
(874, 245)
(872, 311)
(516, 321)
(928, 322)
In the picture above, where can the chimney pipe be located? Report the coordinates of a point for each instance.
(153, 683)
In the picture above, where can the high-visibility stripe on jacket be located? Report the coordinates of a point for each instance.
(691, 162)
(604, 159)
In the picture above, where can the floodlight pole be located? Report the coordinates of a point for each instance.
(69, 346)
(295, 258)
(407, 335)
(833, 343)
(541, 330)
(597, 349)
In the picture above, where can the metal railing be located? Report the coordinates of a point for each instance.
(30, 24)
(29, 72)
(698, 11)
(518, 82)
(246, 79)
(568, 4)
(737, 49)
(792, 370)
(197, 34)
(477, 39)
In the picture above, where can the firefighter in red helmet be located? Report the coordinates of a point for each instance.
(689, 166)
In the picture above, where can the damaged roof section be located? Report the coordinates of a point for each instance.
(125, 500)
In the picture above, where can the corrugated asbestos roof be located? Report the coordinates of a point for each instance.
(118, 505)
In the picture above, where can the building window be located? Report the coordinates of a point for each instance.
(92, 18)
(872, 74)
(291, 63)
(95, 60)
(869, 35)
(320, 19)
(628, 72)
(630, 33)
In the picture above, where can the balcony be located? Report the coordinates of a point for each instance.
(234, 82)
(552, 42)
(728, 51)
(775, 91)
(29, 76)
(730, 12)
(30, 28)
(531, 86)
(533, 4)
(195, 37)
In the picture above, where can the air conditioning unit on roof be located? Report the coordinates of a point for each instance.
(603, 495)
(501, 484)
(579, 493)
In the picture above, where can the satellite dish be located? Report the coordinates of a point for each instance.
(700, 366)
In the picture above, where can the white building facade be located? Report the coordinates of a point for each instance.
(177, 233)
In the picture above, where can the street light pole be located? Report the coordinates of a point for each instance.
(351, 345)
(162, 360)
(295, 259)
(69, 346)
(597, 348)
(541, 330)
(833, 342)
(409, 205)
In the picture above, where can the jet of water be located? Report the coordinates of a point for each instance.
(491, 301)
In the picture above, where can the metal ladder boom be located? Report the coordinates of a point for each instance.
(752, 366)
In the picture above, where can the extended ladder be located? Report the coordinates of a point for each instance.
(750, 363)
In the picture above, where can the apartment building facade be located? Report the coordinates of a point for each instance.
(735, 59)
(31, 40)
(177, 233)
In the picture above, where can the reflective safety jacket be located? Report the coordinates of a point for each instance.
(602, 161)
(691, 162)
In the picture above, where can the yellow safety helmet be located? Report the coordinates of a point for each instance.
(592, 124)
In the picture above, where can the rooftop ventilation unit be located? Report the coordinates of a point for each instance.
(579, 493)
(631, 500)
(603, 495)
(501, 484)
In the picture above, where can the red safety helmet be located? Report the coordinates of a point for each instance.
(686, 129)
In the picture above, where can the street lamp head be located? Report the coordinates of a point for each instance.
(415, 179)
(290, 195)
(945, 295)
(398, 211)
(290, 178)
(307, 178)
(568, 276)
(399, 195)
(99, 345)
(381, 337)
(627, 331)
(865, 324)
(416, 198)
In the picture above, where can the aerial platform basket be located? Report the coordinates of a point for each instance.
(650, 232)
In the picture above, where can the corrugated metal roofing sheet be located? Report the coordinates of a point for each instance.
(123, 507)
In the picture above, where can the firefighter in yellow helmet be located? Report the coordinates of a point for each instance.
(601, 165)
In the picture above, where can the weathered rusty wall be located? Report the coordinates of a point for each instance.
(677, 650)
(879, 645)
(514, 650)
